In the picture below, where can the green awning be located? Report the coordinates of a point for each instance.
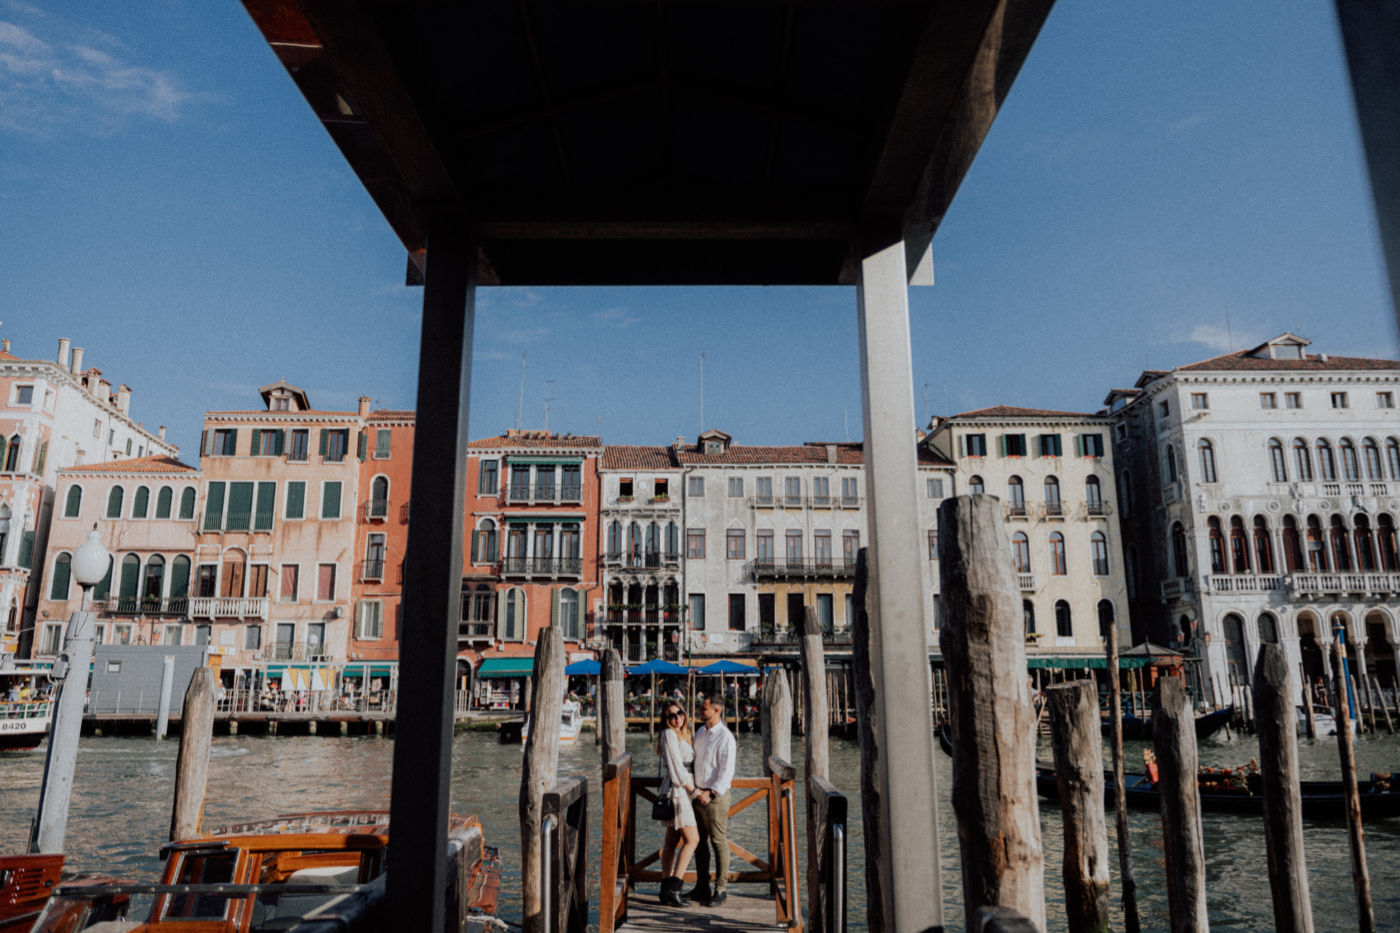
(1035, 662)
(375, 670)
(506, 667)
(567, 460)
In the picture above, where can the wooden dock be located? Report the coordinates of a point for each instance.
(739, 912)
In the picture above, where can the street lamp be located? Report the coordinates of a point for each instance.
(90, 567)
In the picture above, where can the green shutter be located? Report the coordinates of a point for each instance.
(26, 549)
(325, 439)
(180, 578)
(187, 503)
(206, 443)
(253, 444)
(131, 576)
(62, 576)
(102, 589)
(140, 502)
(240, 507)
(382, 440)
(267, 501)
(214, 507)
(277, 443)
(233, 440)
(475, 536)
(1079, 444)
(330, 499)
(1002, 441)
(361, 445)
(75, 502)
(164, 499)
(296, 499)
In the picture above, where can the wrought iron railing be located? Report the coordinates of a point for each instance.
(542, 566)
(788, 567)
(144, 605)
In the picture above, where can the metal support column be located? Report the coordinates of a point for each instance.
(432, 589)
(898, 610)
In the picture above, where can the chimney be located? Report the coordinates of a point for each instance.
(680, 441)
(364, 406)
(5, 345)
(160, 435)
(830, 453)
(77, 361)
(124, 399)
(63, 344)
(102, 389)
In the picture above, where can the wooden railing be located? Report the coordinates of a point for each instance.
(619, 843)
(826, 913)
(564, 844)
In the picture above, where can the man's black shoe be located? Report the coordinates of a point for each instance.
(716, 899)
(698, 894)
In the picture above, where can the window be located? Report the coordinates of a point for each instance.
(205, 579)
(697, 610)
(266, 506)
(257, 581)
(568, 614)
(850, 545)
(1293, 399)
(1013, 445)
(1326, 465)
(369, 619)
(975, 445)
(1093, 495)
(240, 507)
(792, 543)
(1064, 625)
(1206, 453)
(335, 442)
(1263, 546)
(1164, 409)
(1050, 445)
(661, 489)
(489, 478)
(487, 543)
(1392, 457)
(736, 612)
(74, 503)
(62, 575)
(850, 490)
(826, 612)
(1302, 459)
(1017, 494)
(330, 499)
(1171, 464)
(164, 501)
(763, 546)
(1278, 465)
(821, 491)
(736, 487)
(180, 577)
(695, 487)
(1268, 399)
(821, 547)
(325, 582)
(975, 487)
(933, 487)
(1091, 445)
(24, 395)
(1373, 459)
(1351, 466)
(763, 490)
(296, 500)
(1339, 400)
(1028, 616)
(1052, 496)
(1385, 399)
(1098, 549)
(792, 490)
(299, 445)
(214, 507)
(266, 443)
(1200, 401)
(1057, 554)
(1217, 546)
(1181, 566)
(252, 638)
(734, 544)
(114, 502)
(695, 543)
(382, 437)
(544, 482)
(187, 497)
(225, 442)
(1021, 552)
(97, 428)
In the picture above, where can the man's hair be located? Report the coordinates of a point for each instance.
(716, 701)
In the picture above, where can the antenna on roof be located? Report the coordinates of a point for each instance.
(846, 416)
(547, 400)
(520, 412)
(1229, 333)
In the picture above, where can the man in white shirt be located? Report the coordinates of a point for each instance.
(715, 750)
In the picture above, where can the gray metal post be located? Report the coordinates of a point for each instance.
(898, 609)
(167, 687)
(432, 589)
(51, 822)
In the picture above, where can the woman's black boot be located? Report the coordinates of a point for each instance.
(671, 893)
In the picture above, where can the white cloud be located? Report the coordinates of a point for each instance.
(1220, 338)
(616, 317)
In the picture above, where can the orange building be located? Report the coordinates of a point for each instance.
(381, 535)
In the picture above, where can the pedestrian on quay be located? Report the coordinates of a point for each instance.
(715, 751)
(677, 788)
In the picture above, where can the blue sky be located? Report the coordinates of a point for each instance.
(1165, 182)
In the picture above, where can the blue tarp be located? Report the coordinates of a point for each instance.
(588, 666)
(657, 666)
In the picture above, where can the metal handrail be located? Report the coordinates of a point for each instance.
(542, 565)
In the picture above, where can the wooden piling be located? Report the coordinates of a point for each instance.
(1360, 874)
(1380, 699)
(776, 717)
(994, 796)
(192, 763)
(540, 769)
(817, 758)
(1132, 923)
(1174, 740)
(1309, 726)
(611, 711)
(877, 872)
(1275, 723)
(1078, 743)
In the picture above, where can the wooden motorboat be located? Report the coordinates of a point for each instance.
(26, 881)
(318, 869)
(570, 724)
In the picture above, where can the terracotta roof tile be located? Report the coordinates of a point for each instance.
(536, 440)
(1010, 411)
(135, 465)
(636, 458)
(7, 356)
(1241, 361)
(393, 414)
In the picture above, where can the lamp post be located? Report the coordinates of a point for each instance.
(70, 671)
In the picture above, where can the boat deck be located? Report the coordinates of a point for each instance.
(740, 912)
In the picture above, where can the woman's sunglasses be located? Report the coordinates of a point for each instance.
(675, 714)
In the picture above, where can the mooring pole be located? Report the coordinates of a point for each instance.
(1131, 921)
(1360, 874)
(1276, 722)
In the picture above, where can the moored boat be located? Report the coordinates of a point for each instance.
(25, 715)
(1207, 724)
(570, 724)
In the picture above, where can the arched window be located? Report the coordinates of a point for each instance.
(379, 497)
(1098, 549)
(1292, 545)
(130, 581)
(673, 541)
(1392, 457)
(74, 503)
(1326, 464)
(1239, 546)
(1106, 617)
(1341, 552)
(1028, 616)
(1317, 547)
(1171, 464)
(567, 614)
(1021, 552)
(975, 487)
(1064, 625)
(103, 588)
(1207, 455)
(114, 502)
(180, 577)
(1057, 554)
(489, 542)
(1351, 466)
(1017, 494)
(141, 502)
(1217, 546)
(62, 576)
(1268, 628)
(1263, 546)
(1180, 563)
(1372, 453)
(634, 545)
(153, 586)
(653, 545)
(1302, 460)
(1093, 495)
(12, 455)
(187, 496)
(1278, 465)
(1052, 496)
(615, 540)
(164, 502)
(1233, 627)
(1361, 538)
(1385, 539)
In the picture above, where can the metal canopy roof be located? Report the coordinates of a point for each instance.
(658, 142)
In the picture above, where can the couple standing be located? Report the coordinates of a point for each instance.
(696, 777)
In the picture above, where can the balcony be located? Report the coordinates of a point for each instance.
(646, 560)
(1095, 509)
(1243, 583)
(1361, 584)
(376, 510)
(143, 606)
(476, 630)
(1016, 510)
(228, 607)
(287, 651)
(798, 568)
(372, 570)
(850, 502)
(824, 502)
(767, 635)
(636, 614)
(1178, 588)
(1054, 510)
(762, 502)
(1171, 493)
(550, 568)
(543, 493)
(1027, 582)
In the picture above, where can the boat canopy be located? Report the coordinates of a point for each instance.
(1040, 662)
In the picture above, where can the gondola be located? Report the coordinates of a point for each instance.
(1207, 724)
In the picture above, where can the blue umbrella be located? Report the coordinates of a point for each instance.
(657, 666)
(727, 667)
(588, 666)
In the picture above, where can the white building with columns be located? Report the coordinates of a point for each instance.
(53, 414)
(1262, 492)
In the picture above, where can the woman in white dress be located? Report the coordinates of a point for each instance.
(678, 783)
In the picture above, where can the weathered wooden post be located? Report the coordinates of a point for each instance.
(815, 742)
(1077, 738)
(984, 651)
(1174, 740)
(611, 712)
(1360, 874)
(192, 763)
(776, 718)
(1380, 698)
(540, 769)
(1276, 725)
(1131, 921)
(877, 872)
(1309, 725)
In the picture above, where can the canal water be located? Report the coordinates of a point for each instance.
(121, 812)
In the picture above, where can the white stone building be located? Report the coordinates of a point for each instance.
(1262, 491)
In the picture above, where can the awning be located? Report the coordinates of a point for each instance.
(506, 667)
(375, 670)
(726, 666)
(657, 666)
(588, 667)
(1035, 662)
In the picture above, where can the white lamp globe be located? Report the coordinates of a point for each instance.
(90, 562)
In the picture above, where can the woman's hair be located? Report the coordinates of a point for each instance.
(684, 730)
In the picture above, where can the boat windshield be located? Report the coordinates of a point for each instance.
(231, 907)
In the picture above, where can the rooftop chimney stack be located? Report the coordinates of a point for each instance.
(830, 453)
(124, 399)
(77, 369)
(160, 435)
(5, 345)
(680, 441)
(63, 344)
(364, 406)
